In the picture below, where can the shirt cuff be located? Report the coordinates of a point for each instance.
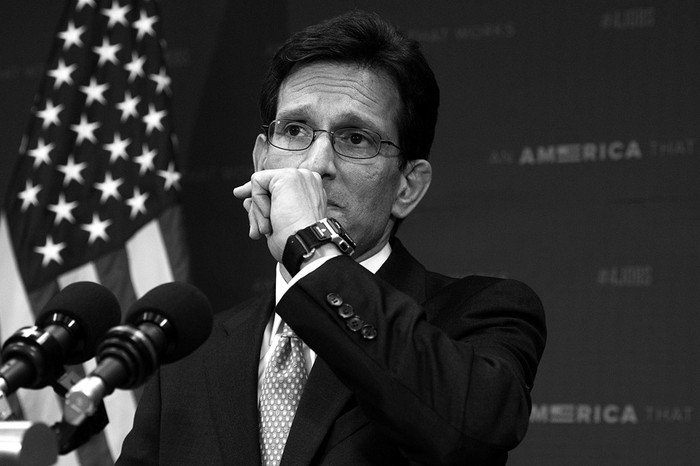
(310, 267)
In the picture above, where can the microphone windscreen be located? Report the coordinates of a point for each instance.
(186, 308)
(95, 310)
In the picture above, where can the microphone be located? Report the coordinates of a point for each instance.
(67, 331)
(166, 324)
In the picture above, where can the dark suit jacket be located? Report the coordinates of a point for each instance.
(441, 374)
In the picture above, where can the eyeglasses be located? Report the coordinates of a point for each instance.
(354, 143)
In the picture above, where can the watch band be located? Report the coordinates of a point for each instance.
(294, 253)
(302, 244)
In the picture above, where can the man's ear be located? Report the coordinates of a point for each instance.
(260, 152)
(415, 180)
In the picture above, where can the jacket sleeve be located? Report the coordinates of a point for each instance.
(448, 380)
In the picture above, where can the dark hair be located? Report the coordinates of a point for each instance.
(366, 39)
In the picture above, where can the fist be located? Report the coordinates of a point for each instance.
(281, 201)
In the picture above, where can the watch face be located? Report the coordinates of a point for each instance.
(336, 225)
(345, 243)
(325, 230)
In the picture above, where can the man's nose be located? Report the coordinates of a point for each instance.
(320, 156)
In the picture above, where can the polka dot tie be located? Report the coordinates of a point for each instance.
(282, 386)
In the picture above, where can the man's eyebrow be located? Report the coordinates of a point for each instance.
(346, 120)
(295, 110)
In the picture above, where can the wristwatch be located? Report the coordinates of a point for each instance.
(302, 244)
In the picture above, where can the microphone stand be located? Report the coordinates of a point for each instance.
(70, 437)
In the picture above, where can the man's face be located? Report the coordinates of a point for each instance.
(361, 193)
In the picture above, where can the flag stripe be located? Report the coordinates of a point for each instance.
(113, 270)
(171, 223)
(148, 260)
(11, 288)
(84, 273)
(95, 452)
(121, 407)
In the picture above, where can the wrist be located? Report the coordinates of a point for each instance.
(320, 239)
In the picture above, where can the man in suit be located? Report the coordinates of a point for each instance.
(395, 364)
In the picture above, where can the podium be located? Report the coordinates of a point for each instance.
(25, 443)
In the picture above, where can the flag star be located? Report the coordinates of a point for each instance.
(51, 251)
(128, 106)
(94, 92)
(82, 3)
(29, 195)
(117, 148)
(85, 130)
(135, 66)
(145, 25)
(162, 81)
(72, 170)
(50, 114)
(97, 228)
(109, 188)
(145, 160)
(116, 14)
(137, 203)
(107, 52)
(62, 73)
(153, 119)
(171, 177)
(41, 153)
(71, 35)
(63, 210)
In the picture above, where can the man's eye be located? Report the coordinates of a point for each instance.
(357, 138)
(294, 130)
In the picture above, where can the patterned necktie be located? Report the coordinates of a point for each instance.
(282, 386)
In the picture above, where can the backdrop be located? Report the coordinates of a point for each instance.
(566, 156)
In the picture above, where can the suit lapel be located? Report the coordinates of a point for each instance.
(402, 271)
(231, 371)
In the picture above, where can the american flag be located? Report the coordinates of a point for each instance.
(94, 193)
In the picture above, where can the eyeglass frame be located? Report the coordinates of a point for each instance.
(266, 129)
